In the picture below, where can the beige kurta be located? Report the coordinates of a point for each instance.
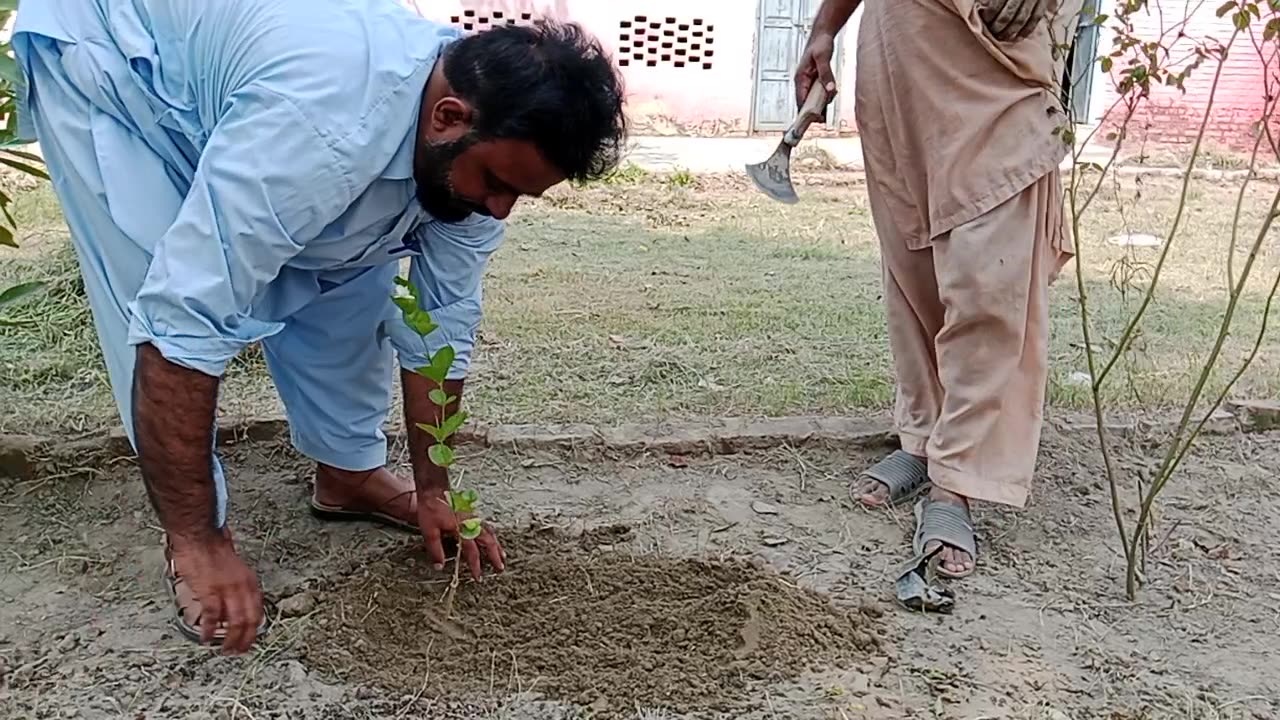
(961, 139)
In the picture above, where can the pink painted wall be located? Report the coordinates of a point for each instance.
(1170, 117)
(712, 96)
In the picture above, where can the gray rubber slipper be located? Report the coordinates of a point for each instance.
(902, 473)
(949, 524)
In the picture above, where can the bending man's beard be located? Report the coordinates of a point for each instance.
(435, 192)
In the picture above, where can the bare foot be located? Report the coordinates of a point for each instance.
(953, 560)
(377, 490)
(874, 493)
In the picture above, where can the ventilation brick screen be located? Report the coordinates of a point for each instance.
(645, 41)
(474, 20)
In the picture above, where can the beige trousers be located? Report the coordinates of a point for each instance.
(968, 326)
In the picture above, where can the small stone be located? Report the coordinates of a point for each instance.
(364, 693)
(858, 683)
(296, 672)
(1079, 379)
(1135, 240)
(68, 643)
(775, 541)
(304, 603)
(764, 508)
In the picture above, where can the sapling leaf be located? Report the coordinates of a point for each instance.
(441, 455)
(454, 422)
(471, 529)
(416, 318)
(438, 397)
(435, 432)
(440, 364)
(464, 501)
(405, 304)
(17, 292)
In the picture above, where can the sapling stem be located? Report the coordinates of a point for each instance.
(462, 504)
(1149, 65)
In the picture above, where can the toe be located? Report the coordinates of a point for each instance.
(956, 560)
(873, 493)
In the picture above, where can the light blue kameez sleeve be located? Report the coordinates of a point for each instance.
(266, 183)
(448, 276)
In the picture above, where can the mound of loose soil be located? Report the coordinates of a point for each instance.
(578, 621)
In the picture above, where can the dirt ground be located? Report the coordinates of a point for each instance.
(745, 586)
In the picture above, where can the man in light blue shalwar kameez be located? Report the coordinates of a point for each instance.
(252, 171)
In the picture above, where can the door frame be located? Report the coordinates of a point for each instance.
(806, 27)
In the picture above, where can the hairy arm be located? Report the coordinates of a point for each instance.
(173, 416)
(833, 15)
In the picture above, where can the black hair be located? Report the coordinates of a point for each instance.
(549, 83)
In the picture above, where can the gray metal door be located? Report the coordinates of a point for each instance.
(783, 27)
(1081, 64)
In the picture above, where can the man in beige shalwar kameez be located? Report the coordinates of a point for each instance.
(958, 109)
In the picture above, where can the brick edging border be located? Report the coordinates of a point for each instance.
(22, 455)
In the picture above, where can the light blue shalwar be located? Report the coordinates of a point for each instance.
(240, 171)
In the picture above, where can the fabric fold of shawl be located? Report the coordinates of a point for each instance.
(1039, 58)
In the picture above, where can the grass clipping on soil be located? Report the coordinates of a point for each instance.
(574, 621)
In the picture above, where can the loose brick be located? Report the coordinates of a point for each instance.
(1257, 415)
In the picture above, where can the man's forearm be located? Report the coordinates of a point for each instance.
(173, 414)
(418, 408)
(833, 15)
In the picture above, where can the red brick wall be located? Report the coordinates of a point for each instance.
(1168, 115)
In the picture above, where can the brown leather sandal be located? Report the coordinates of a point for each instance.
(335, 513)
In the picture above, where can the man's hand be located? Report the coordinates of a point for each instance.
(815, 66)
(1010, 20)
(226, 589)
(437, 520)
(815, 61)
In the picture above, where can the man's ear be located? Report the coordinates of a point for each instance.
(451, 115)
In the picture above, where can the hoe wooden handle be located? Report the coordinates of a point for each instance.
(814, 107)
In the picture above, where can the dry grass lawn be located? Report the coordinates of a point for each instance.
(655, 297)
